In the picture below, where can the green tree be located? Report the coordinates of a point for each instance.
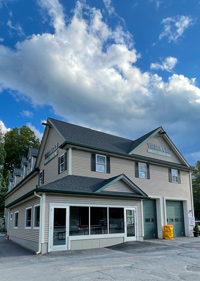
(17, 141)
(3, 185)
(196, 190)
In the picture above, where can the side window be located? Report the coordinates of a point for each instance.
(41, 178)
(16, 219)
(62, 163)
(174, 176)
(100, 163)
(142, 170)
(28, 212)
(36, 221)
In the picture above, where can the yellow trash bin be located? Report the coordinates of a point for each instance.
(168, 231)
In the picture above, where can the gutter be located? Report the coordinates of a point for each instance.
(53, 191)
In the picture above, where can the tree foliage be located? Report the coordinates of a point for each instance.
(196, 190)
(13, 146)
(3, 182)
(17, 141)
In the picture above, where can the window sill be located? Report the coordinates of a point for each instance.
(27, 227)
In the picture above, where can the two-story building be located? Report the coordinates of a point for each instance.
(89, 189)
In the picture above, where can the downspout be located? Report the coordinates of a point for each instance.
(191, 194)
(40, 229)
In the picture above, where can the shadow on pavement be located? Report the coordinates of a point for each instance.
(11, 249)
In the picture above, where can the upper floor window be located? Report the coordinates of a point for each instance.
(142, 170)
(174, 176)
(62, 163)
(100, 163)
(41, 178)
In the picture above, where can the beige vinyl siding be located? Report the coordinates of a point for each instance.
(119, 186)
(25, 188)
(81, 165)
(88, 201)
(51, 168)
(21, 232)
(157, 185)
(161, 142)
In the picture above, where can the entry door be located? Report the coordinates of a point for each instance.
(130, 224)
(58, 228)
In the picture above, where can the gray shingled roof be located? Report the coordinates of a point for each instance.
(88, 137)
(82, 184)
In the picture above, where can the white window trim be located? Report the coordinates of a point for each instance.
(11, 216)
(16, 227)
(60, 163)
(139, 163)
(85, 237)
(101, 164)
(28, 227)
(172, 176)
(35, 227)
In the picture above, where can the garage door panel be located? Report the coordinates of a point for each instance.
(150, 220)
(175, 217)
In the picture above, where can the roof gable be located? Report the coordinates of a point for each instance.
(158, 145)
(127, 186)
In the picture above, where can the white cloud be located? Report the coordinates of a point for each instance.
(168, 64)
(27, 113)
(1, 39)
(3, 128)
(36, 131)
(86, 72)
(174, 27)
(16, 27)
(109, 7)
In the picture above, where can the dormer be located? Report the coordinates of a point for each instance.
(16, 176)
(24, 167)
(10, 182)
(31, 159)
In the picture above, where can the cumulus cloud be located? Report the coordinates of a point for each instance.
(27, 113)
(35, 130)
(86, 71)
(3, 128)
(168, 64)
(174, 27)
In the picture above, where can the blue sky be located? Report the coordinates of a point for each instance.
(124, 67)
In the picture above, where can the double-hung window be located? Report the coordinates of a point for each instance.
(100, 163)
(142, 170)
(28, 218)
(41, 178)
(174, 176)
(62, 163)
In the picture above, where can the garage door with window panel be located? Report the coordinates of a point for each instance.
(175, 217)
(150, 219)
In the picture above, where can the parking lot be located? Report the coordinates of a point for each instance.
(159, 259)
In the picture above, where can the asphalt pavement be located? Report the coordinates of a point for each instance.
(151, 260)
